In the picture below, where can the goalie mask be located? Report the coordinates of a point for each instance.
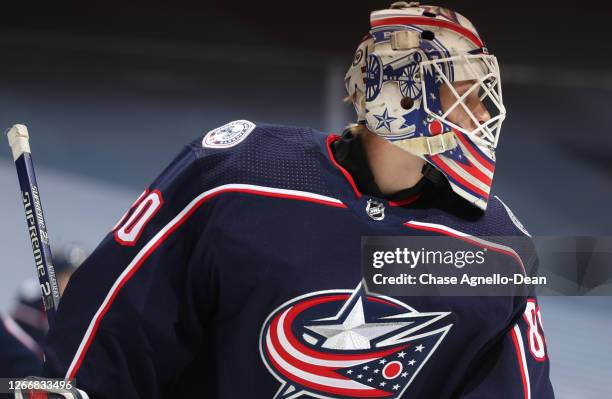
(411, 54)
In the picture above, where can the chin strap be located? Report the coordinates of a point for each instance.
(432, 145)
(434, 175)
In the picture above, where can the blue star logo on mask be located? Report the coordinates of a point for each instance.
(384, 120)
(408, 120)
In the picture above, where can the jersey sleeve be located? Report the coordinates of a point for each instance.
(517, 366)
(131, 317)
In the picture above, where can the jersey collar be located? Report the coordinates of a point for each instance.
(346, 153)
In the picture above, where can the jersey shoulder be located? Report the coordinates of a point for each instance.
(506, 219)
(240, 156)
(497, 224)
(496, 220)
(261, 154)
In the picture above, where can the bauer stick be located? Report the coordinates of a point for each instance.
(18, 139)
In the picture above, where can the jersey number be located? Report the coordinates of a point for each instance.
(534, 331)
(130, 226)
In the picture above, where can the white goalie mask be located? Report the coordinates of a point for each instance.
(411, 54)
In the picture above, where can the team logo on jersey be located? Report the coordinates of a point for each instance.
(348, 344)
(228, 135)
(375, 209)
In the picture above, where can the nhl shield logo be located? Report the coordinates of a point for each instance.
(228, 135)
(375, 210)
(348, 344)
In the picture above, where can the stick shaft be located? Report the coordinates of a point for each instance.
(35, 220)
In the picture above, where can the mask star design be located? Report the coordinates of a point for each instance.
(407, 122)
(384, 120)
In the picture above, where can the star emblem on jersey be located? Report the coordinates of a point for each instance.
(384, 120)
(375, 209)
(348, 344)
(228, 135)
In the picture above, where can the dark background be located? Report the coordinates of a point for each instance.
(111, 91)
(560, 34)
(549, 31)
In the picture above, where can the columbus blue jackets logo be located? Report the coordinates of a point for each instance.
(348, 344)
(228, 135)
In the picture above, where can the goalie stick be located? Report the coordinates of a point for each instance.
(18, 139)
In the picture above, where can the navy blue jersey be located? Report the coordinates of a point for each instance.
(20, 354)
(237, 274)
